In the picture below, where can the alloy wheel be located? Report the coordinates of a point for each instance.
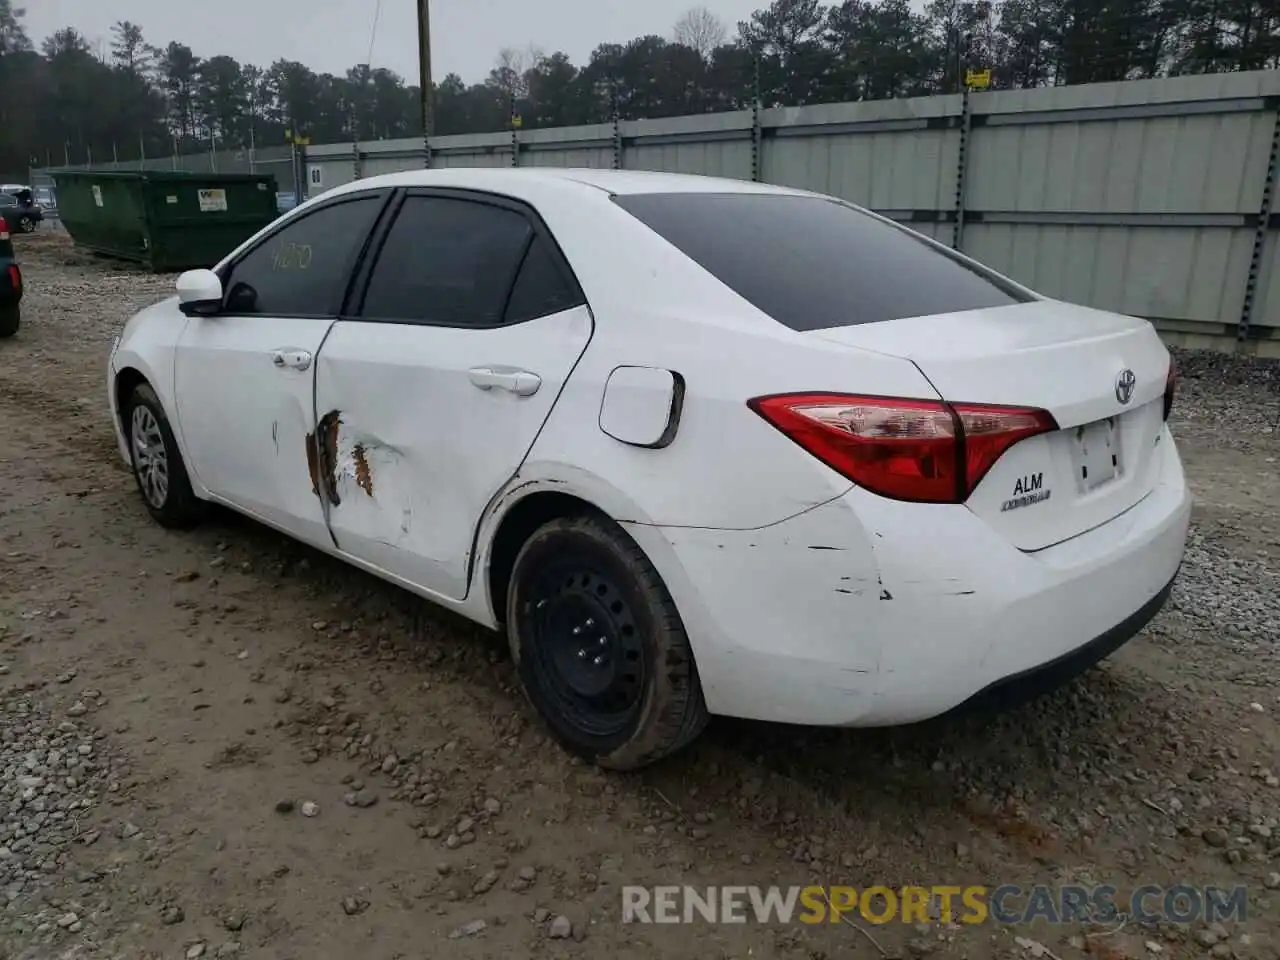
(150, 458)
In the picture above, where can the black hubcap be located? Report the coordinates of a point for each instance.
(586, 650)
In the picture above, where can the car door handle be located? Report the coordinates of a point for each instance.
(520, 382)
(289, 358)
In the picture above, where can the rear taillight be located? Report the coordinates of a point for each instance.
(1170, 386)
(924, 451)
(15, 277)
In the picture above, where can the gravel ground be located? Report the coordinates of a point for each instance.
(220, 743)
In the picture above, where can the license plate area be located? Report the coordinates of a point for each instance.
(1097, 454)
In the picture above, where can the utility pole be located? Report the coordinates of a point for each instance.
(424, 79)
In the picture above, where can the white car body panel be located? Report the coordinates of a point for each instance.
(247, 420)
(806, 599)
(1059, 357)
(871, 612)
(421, 447)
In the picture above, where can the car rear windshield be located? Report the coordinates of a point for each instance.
(813, 263)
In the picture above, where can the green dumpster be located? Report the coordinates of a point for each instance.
(165, 220)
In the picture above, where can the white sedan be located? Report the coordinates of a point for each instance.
(697, 446)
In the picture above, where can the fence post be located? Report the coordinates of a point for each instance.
(756, 137)
(300, 186)
(1260, 231)
(962, 169)
(515, 134)
(617, 126)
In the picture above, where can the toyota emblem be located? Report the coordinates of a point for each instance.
(1126, 380)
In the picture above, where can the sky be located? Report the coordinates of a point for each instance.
(332, 35)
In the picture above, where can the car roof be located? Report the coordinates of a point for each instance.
(510, 179)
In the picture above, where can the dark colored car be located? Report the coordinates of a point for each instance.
(10, 286)
(20, 211)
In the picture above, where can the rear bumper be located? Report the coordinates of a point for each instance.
(1041, 679)
(867, 612)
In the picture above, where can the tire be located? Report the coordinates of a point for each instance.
(10, 320)
(27, 225)
(599, 646)
(158, 468)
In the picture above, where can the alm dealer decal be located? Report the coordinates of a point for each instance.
(1026, 491)
(212, 201)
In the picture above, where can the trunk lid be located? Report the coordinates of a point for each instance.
(1060, 357)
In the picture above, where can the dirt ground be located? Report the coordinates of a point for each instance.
(221, 743)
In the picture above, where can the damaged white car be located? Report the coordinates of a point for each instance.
(697, 446)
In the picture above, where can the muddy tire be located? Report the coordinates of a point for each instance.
(157, 463)
(10, 320)
(599, 646)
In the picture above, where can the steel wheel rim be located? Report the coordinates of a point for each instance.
(587, 653)
(150, 458)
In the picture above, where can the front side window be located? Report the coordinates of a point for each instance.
(303, 268)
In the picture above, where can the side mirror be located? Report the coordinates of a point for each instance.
(199, 293)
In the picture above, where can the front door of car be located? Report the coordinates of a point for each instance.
(244, 377)
(464, 329)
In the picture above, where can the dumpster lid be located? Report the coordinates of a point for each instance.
(162, 176)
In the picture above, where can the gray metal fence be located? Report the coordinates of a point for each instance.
(1151, 197)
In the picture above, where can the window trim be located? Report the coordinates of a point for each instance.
(353, 305)
(359, 252)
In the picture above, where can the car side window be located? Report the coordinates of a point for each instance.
(302, 269)
(447, 261)
(541, 287)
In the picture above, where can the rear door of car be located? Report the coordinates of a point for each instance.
(461, 331)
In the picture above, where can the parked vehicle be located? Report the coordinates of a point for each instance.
(11, 286)
(697, 446)
(20, 212)
(46, 198)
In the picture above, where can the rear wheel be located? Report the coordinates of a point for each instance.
(157, 463)
(10, 319)
(599, 645)
(27, 225)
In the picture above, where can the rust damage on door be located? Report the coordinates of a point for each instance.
(322, 456)
(360, 465)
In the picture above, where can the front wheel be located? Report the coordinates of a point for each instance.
(599, 645)
(10, 320)
(157, 462)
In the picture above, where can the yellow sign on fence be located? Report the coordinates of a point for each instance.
(977, 79)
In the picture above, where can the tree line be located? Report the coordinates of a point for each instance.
(60, 102)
